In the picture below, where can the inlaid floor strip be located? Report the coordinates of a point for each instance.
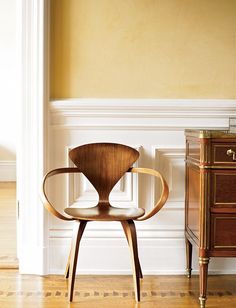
(112, 294)
(60, 294)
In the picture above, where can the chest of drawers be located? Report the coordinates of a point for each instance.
(210, 201)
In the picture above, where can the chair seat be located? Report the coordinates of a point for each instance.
(109, 214)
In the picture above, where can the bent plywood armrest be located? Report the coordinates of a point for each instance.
(158, 206)
(43, 194)
(164, 194)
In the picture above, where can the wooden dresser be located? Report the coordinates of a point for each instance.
(210, 202)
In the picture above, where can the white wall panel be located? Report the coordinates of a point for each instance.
(170, 162)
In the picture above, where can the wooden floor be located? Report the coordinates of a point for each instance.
(8, 225)
(29, 291)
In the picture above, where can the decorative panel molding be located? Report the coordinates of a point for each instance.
(170, 162)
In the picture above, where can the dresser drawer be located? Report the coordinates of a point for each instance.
(223, 188)
(223, 231)
(223, 154)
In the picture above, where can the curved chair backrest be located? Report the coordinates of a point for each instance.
(103, 164)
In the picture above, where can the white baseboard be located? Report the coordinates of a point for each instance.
(157, 257)
(7, 171)
(145, 273)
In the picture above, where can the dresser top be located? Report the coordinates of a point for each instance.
(203, 133)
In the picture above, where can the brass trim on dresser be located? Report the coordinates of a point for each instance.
(205, 152)
(224, 246)
(202, 260)
(207, 134)
(202, 301)
(217, 167)
(204, 211)
(196, 163)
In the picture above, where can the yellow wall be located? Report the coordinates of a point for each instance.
(143, 48)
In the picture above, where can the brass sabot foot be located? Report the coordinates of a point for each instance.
(202, 301)
(189, 272)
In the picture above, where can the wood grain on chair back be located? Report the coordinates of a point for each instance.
(103, 164)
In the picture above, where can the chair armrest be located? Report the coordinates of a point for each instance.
(164, 194)
(43, 194)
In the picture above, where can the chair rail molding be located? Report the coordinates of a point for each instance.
(141, 114)
(32, 19)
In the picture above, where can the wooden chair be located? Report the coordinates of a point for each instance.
(104, 164)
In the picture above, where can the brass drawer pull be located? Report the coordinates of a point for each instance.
(230, 152)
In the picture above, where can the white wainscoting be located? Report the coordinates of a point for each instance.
(156, 129)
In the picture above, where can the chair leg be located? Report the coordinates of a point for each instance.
(129, 227)
(68, 266)
(77, 235)
(139, 266)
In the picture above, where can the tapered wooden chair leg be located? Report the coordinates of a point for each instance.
(77, 235)
(132, 238)
(68, 265)
(139, 266)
